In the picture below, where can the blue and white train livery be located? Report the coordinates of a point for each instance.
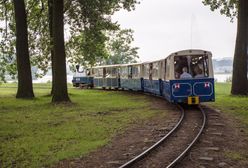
(183, 77)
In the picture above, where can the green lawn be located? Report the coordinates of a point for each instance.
(35, 85)
(237, 106)
(35, 133)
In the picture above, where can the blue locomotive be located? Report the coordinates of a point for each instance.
(183, 77)
(82, 78)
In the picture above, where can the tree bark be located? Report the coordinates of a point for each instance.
(50, 20)
(25, 86)
(60, 93)
(239, 80)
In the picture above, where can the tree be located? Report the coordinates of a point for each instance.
(39, 35)
(91, 19)
(87, 21)
(25, 87)
(7, 41)
(120, 49)
(233, 8)
(239, 81)
(60, 93)
(50, 20)
(37, 41)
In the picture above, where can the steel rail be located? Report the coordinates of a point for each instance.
(147, 151)
(174, 162)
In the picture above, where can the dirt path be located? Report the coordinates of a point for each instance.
(175, 144)
(223, 144)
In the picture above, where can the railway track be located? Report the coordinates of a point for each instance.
(175, 144)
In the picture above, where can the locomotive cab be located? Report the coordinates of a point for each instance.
(82, 77)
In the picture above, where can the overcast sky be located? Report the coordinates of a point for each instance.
(164, 26)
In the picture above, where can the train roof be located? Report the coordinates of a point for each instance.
(178, 53)
(107, 66)
(116, 65)
(182, 53)
(149, 62)
(190, 52)
(131, 64)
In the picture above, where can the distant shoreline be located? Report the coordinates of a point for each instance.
(221, 77)
(223, 73)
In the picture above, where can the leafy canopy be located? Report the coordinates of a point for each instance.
(120, 48)
(86, 23)
(227, 7)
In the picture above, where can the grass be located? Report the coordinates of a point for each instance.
(234, 155)
(35, 85)
(237, 106)
(35, 133)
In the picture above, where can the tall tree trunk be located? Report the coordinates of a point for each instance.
(25, 86)
(60, 93)
(239, 80)
(247, 45)
(50, 20)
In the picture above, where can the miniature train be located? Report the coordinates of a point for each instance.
(182, 77)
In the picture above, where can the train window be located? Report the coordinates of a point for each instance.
(165, 62)
(94, 72)
(150, 71)
(135, 71)
(98, 72)
(129, 72)
(195, 66)
(155, 71)
(146, 71)
(199, 66)
(104, 72)
(160, 69)
(179, 63)
(168, 66)
(88, 72)
(108, 72)
(124, 72)
(114, 72)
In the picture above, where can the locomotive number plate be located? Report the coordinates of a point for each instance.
(193, 100)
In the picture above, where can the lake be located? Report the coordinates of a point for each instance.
(47, 78)
(222, 77)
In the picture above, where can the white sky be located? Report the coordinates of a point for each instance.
(164, 26)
